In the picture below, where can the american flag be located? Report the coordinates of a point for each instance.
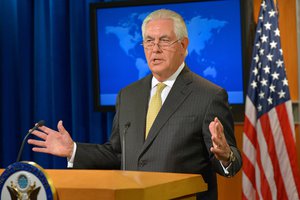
(270, 168)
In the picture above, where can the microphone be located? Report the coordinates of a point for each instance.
(126, 126)
(39, 124)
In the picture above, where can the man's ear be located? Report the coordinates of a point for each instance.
(184, 42)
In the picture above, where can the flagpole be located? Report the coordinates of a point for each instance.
(276, 6)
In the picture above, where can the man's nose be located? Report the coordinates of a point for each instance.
(156, 47)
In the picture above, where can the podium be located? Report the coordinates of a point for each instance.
(124, 185)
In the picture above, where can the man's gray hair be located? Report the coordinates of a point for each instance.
(179, 24)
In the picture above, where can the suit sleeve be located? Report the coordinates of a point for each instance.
(101, 156)
(219, 107)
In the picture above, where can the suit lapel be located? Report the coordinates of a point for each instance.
(176, 97)
(141, 109)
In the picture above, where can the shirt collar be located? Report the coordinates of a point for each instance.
(171, 80)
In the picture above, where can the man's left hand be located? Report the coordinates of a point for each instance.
(220, 146)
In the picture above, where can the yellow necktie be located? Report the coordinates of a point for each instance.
(154, 107)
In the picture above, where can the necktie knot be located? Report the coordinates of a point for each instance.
(160, 87)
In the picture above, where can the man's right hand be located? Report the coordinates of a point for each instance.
(58, 143)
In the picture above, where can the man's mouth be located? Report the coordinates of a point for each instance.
(156, 60)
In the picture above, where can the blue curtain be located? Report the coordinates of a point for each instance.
(46, 73)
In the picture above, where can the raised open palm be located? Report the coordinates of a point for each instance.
(53, 142)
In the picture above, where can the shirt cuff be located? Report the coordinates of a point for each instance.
(71, 160)
(225, 169)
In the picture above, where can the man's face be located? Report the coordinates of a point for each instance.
(163, 61)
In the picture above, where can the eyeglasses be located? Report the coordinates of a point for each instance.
(162, 44)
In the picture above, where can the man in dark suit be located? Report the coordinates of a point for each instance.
(175, 121)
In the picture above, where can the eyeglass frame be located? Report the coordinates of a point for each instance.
(164, 47)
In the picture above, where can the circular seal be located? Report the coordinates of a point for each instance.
(23, 181)
(26, 180)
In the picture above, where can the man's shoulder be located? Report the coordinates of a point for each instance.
(202, 84)
(138, 85)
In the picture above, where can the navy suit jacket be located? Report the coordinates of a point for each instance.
(179, 139)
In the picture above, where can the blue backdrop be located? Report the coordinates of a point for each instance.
(46, 73)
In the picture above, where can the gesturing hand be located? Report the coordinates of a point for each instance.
(220, 146)
(58, 143)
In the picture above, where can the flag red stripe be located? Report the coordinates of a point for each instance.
(250, 131)
(289, 142)
(264, 185)
(249, 170)
(267, 131)
(248, 167)
(243, 196)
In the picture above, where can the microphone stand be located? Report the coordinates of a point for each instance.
(40, 123)
(127, 125)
